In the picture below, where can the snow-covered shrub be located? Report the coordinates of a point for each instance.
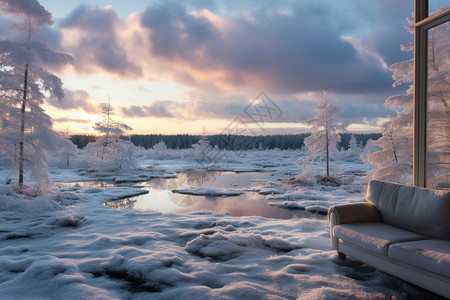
(30, 201)
(202, 149)
(159, 151)
(64, 155)
(353, 153)
(110, 153)
(118, 155)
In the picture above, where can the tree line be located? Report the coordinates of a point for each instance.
(228, 141)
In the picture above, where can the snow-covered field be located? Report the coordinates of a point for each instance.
(70, 245)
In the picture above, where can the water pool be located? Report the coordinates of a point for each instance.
(161, 198)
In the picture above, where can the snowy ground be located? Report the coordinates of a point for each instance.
(70, 245)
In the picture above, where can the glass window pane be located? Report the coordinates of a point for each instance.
(435, 6)
(438, 108)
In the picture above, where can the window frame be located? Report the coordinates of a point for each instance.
(422, 23)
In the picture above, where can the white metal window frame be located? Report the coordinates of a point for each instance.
(422, 23)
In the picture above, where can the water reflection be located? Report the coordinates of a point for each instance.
(160, 197)
(248, 204)
(121, 204)
(94, 183)
(222, 180)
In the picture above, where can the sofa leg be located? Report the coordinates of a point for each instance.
(341, 255)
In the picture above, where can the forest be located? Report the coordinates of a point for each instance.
(227, 141)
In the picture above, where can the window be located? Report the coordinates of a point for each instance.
(431, 97)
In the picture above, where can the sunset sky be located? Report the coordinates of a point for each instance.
(194, 66)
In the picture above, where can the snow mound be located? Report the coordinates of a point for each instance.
(225, 247)
(10, 201)
(113, 193)
(88, 251)
(268, 188)
(317, 200)
(68, 221)
(270, 191)
(207, 191)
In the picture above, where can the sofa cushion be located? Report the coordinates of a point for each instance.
(374, 236)
(423, 211)
(431, 255)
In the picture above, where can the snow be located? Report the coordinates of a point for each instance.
(202, 191)
(316, 200)
(68, 244)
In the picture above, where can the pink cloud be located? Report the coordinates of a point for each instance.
(76, 99)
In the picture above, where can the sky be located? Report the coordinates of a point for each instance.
(204, 66)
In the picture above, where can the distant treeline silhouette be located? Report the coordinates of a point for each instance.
(230, 142)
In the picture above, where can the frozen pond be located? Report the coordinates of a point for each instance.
(161, 198)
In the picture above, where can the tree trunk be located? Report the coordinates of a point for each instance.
(393, 144)
(22, 129)
(108, 120)
(328, 150)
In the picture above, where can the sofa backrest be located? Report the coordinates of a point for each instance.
(416, 209)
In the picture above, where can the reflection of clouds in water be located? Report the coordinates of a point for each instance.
(160, 197)
(198, 177)
(94, 183)
(183, 200)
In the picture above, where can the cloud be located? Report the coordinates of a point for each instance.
(76, 99)
(291, 47)
(213, 106)
(284, 52)
(71, 120)
(365, 53)
(363, 114)
(92, 36)
(157, 109)
(375, 46)
(225, 52)
(275, 110)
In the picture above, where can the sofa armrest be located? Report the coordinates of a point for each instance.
(351, 213)
(354, 213)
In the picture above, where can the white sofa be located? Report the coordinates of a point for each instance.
(401, 230)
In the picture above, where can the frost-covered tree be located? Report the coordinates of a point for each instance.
(160, 150)
(110, 152)
(322, 143)
(110, 129)
(62, 156)
(353, 152)
(201, 149)
(353, 145)
(394, 160)
(26, 79)
(438, 110)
